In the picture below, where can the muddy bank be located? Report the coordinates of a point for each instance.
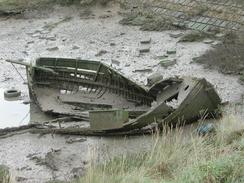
(85, 38)
(47, 157)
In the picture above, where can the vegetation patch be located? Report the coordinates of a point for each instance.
(148, 22)
(228, 56)
(176, 158)
(194, 36)
(4, 174)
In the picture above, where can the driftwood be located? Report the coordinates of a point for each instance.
(50, 129)
(89, 132)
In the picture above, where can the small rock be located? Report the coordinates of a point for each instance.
(20, 59)
(127, 65)
(101, 52)
(78, 172)
(26, 102)
(168, 62)
(25, 52)
(220, 35)
(193, 36)
(105, 16)
(208, 41)
(170, 52)
(75, 47)
(176, 35)
(116, 62)
(146, 41)
(112, 44)
(55, 150)
(162, 57)
(53, 48)
(45, 32)
(50, 38)
(144, 50)
(122, 33)
(30, 42)
(143, 70)
(20, 179)
(73, 140)
(35, 35)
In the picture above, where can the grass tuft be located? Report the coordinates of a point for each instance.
(179, 157)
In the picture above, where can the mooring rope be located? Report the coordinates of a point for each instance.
(21, 121)
(18, 72)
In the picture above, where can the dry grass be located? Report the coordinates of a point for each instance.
(210, 159)
(227, 57)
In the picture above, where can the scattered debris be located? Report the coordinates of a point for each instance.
(12, 93)
(116, 62)
(75, 47)
(149, 22)
(30, 42)
(73, 140)
(220, 35)
(208, 41)
(193, 36)
(127, 65)
(48, 160)
(162, 57)
(143, 70)
(206, 129)
(53, 25)
(26, 101)
(105, 16)
(171, 52)
(175, 35)
(101, 52)
(53, 49)
(4, 13)
(144, 50)
(167, 62)
(20, 179)
(78, 172)
(146, 41)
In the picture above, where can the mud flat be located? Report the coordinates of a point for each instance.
(69, 32)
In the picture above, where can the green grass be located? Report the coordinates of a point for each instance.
(218, 158)
(4, 174)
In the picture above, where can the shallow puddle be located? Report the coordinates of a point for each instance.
(13, 113)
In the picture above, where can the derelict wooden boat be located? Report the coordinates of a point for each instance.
(78, 88)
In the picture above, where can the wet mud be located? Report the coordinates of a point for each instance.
(14, 112)
(69, 32)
